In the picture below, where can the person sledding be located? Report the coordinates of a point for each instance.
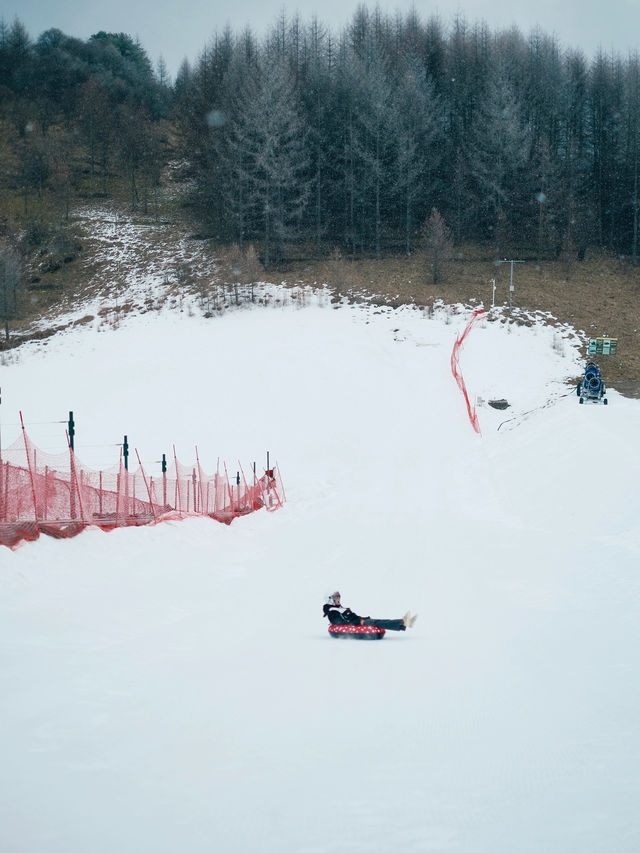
(339, 615)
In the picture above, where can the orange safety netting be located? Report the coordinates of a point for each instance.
(455, 369)
(56, 494)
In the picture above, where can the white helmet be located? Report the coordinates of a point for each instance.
(333, 598)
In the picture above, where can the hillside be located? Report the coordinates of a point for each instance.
(115, 253)
(521, 148)
(174, 687)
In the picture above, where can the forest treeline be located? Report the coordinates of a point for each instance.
(313, 139)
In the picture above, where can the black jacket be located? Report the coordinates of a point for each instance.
(341, 615)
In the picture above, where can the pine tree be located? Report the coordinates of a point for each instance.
(267, 155)
(501, 157)
(419, 148)
(373, 140)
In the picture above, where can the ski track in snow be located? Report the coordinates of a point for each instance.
(174, 687)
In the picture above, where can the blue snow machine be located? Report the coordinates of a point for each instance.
(591, 387)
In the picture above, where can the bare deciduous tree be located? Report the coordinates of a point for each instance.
(241, 268)
(253, 268)
(438, 245)
(10, 280)
(337, 273)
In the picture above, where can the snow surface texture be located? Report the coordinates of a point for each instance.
(174, 688)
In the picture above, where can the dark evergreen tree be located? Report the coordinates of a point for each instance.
(315, 83)
(373, 137)
(419, 138)
(631, 210)
(501, 157)
(345, 139)
(605, 135)
(267, 157)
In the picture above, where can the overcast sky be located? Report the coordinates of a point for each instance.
(178, 30)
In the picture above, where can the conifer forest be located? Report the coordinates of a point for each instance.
(309, 138)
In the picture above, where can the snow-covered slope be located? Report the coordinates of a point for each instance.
(174, 688)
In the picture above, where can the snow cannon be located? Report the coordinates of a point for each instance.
(356, 632)
(591, 387)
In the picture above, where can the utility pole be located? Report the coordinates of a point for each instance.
(511, 284)
(72, 475)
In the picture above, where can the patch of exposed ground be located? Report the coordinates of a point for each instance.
(599, 296)
(137, 262)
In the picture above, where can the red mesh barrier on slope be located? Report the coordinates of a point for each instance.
(455, 369)
(56, 494)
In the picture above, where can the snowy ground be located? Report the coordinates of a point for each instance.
(130, 263)
(174, 688)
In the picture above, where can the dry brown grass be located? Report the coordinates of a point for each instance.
(598, 296)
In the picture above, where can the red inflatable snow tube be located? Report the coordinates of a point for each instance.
(357, 632)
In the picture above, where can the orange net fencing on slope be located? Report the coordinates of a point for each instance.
(57, 495)
(457, 373)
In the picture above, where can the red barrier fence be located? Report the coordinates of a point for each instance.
(59, 496)
(455, 369)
